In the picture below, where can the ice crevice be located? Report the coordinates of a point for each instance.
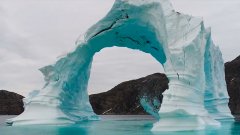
(110, 27)
(197, 96)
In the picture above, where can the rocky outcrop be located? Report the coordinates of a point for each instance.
(10, 103)
(232, 70)
(124, 99)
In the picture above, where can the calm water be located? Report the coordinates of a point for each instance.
(115, 125)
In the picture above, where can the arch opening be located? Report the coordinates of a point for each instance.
(115, 65)
(177, 41)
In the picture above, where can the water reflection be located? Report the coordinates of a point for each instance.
(115, 127)
(72, 130)
(235, 130)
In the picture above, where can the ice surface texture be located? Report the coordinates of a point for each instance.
(197, 94)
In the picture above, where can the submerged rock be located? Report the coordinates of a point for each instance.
(10, 103)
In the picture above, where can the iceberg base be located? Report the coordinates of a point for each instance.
(181, 122)
(41, 114)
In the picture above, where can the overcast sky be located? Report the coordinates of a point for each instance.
(34, 33)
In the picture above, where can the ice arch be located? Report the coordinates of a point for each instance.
(109, 69)
(197, 93)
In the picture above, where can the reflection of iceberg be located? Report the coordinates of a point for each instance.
(197, 93)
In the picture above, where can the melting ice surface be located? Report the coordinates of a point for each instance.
(197, 97)
(115, 125)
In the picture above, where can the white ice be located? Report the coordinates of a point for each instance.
(197, 95)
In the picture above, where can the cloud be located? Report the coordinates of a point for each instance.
(222, 16)
(17, 67)
(34, 33)
(114, 65)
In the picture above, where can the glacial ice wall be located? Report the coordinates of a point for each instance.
(196, 97)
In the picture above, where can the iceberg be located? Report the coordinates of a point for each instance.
(197, 95)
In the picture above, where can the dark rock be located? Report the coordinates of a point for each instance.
(10, 103)
(124, 99)
(232, 71)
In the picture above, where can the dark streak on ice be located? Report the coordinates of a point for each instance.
(111, 26)
(136, 41)
(155, 48)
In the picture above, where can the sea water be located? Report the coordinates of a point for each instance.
(115, 125)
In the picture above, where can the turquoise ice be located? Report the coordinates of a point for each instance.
(197, 95)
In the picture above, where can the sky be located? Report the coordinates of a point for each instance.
(35, 33)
